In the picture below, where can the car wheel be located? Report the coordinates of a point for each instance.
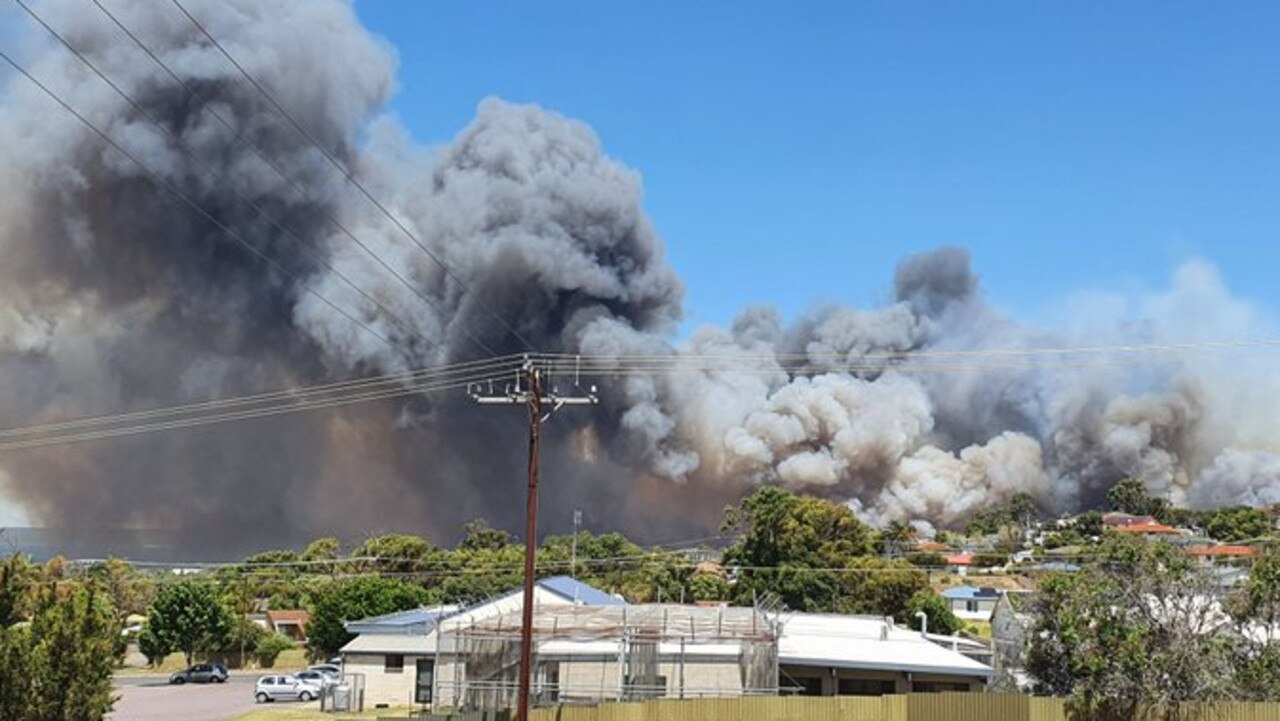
(220, 679)
(305, 696)
(262, 697)
(179, 680)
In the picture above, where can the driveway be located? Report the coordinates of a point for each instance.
(151, 698)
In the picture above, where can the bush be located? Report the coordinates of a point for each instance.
(270, 647)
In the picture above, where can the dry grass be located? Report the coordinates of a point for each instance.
(311, 713)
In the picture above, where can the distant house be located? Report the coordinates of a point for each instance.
(1116, 519)
(1208, 554)
(290, 623)
(972, 603)
(1148, 528)
(959, 563)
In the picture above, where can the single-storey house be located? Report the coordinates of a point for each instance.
(290, 623)
(972, 603)
(590, 646)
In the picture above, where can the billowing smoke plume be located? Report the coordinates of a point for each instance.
(116, 297)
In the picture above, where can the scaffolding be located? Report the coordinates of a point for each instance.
(588, 654)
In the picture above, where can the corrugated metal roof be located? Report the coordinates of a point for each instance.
(391, 643)
(971, 593)
(867, 642)
(574, 590)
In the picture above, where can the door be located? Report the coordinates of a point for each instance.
(424, 680)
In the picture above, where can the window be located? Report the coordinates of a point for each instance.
(865, 687)
(424, 680)
(394, 663)
(269, 681)
(808, 686)
(971, 606)
(937, 686)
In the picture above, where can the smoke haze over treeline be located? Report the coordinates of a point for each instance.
(114, 297)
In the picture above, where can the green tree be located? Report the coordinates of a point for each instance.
(788, 544)
(1237, 523)
(706, 586)
(358, 598)
(478, 535)
(59, 666)
(73, 639)
(936, 610)
(395, 553)
(270, 646)
(188, 616)
(152, 646)
(322, 549)
(1129, 495)
(1135, 630)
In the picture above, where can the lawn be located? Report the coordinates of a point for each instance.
(290, 660)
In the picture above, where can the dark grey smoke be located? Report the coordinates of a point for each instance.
(115, 298)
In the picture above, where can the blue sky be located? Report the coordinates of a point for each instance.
(793, 152)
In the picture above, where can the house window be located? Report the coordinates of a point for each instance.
(424, 681)
(971, 606)
(937, 686)
(394, 663)
(865, 687)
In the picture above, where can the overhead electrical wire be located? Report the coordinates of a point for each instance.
(350, 177)
(173, 190)
(242, 138)
(487, 367)
(307, 246)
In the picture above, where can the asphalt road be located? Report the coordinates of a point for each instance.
(151, 698)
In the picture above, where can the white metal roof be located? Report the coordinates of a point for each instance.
(867, 642)
(391, 643)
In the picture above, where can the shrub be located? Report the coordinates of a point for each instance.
(270, 647)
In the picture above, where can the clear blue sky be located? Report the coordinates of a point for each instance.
(792, 152)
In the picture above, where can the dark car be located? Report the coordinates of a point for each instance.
(201, 673)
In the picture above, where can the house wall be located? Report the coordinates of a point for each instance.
(381, 687)
(828, 681)
(600, 678)
(960, 607)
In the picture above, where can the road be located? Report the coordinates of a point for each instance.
(151, 698)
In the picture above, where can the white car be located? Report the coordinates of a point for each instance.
(273, 688)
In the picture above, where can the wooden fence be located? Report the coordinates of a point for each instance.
(906, 707)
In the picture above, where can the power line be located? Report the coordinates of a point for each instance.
(218, 177)
(344, 172)
(490, 366)
(173, 190)
(242, 138)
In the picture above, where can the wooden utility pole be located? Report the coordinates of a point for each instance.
(529, 392)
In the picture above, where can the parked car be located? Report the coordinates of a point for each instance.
(321, 679)
(273, 688)
(201, 673)
(327, 669)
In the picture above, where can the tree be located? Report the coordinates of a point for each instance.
(480, 536)
(322, 549)
(59, 666)
(395, 552)
(152, 646)
(355, 599)
(783, 538)
(708, 586)
(1237, 523)
(936, 610)
(1138, 629)
(270, 646)
(1130, 496)
(188, 616)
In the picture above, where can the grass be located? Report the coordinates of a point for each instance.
(293, 713)
(981, 629)
(294, 658)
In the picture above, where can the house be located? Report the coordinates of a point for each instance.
(399, 656)
(1209, 554)
(590, 646)
(1150, 529)
(1116, 519)
(290, 623)
(836, 655)
(972, 603)
(958, 563)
